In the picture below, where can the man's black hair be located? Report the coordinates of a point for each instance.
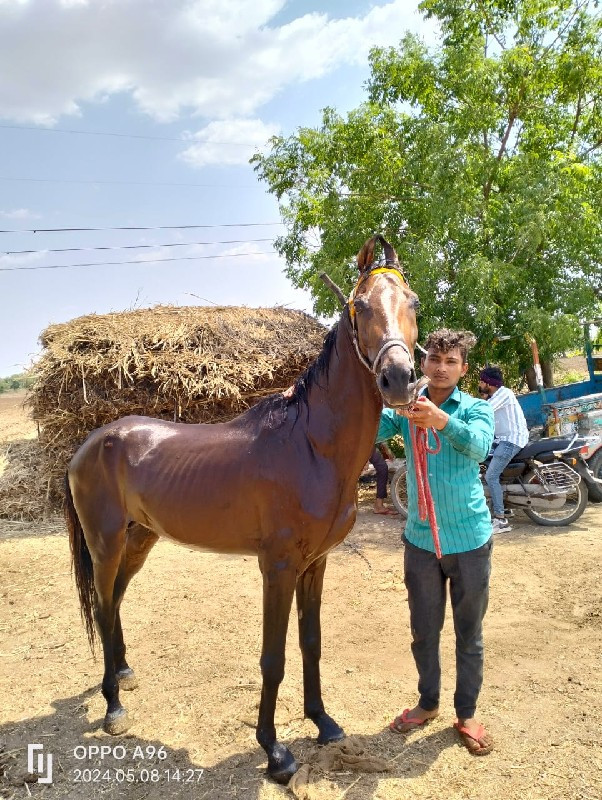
(492, 375)
(444, 340)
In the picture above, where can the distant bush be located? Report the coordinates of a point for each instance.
(15, 382)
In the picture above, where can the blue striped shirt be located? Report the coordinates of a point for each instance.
(462, 515)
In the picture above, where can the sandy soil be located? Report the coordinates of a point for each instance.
(192, 623)
(14, 423)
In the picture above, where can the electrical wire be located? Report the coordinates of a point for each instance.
(184, 139)
(94, 181)
(128, 247)
(145, 228)
(140, 261)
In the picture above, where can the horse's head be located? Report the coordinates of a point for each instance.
(383, 308)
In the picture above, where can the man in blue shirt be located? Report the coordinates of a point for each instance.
(465, 426)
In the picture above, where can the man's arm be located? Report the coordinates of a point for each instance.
(390, 425)
(472, 437)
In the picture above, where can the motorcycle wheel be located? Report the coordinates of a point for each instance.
(399, 492)
(595, 464)
(576, 501)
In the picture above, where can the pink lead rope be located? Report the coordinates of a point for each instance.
(426, 507)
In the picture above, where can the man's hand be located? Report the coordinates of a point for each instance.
(425, 414)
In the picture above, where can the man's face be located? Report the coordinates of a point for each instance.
(444, 369)
(484, 389)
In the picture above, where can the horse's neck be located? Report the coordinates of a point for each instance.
(344, 409)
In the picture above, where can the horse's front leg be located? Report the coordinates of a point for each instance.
(309, 598)
(278, 588)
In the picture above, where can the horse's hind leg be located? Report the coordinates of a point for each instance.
(309, 598)
(110, 548)
(139, 543)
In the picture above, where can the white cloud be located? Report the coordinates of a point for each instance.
(231, 141)
(214, 58)
(19, 213)
(11, 262)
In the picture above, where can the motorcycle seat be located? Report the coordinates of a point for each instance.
(533, 449)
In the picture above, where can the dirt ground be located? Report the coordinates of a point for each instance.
(192, 623)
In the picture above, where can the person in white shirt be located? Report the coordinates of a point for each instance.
(511, 435)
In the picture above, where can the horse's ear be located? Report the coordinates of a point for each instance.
(365, 257)
(390, 254)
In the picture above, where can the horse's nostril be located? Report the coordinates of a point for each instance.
(384, 380)
(413, 375)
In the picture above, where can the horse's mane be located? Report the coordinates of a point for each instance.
(316, 369)
(272, 411)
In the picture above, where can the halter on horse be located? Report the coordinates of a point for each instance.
(278, 481)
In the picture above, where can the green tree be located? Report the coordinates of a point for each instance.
(479, 160)
(15, 382)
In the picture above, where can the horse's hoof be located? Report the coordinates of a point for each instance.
(282, 768)
(329, 730)
(127, 679)
(117, 722)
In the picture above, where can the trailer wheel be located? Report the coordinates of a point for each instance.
(595, 464)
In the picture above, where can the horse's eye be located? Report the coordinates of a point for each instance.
(360, 304)
(416, 304)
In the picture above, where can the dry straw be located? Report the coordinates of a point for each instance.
(23, 487)
(192, 364)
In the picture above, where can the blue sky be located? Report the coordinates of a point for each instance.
(193, 88)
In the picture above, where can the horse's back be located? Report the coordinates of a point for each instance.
(222, 486)
(201, 484)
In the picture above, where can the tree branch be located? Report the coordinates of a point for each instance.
(501, 42)
(561, 31)
(334, 288)
(511, 120)
(591, 149)
(577, 116)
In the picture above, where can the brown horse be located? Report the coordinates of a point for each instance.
(278, 481)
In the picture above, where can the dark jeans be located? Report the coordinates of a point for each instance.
(382, 473)
(425, 578)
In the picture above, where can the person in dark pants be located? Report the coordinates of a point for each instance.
(465, 426)
(382, 481)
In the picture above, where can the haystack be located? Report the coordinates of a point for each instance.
(23, 488)
(192, 364)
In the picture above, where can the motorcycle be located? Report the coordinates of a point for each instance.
(548, 480)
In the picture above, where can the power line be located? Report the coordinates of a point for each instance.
(141, 261)
(126, 183)
(185, 139)
(146, 228)
(129, 247)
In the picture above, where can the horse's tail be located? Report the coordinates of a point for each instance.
(81, 564)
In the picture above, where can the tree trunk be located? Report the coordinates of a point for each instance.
(546, 371)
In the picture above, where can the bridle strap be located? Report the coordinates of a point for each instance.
(389, 342)
(386, 346)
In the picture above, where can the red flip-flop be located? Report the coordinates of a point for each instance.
(467, 737)
(387, 512)
(405, 719)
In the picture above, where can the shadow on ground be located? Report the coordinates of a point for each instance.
(88, 763)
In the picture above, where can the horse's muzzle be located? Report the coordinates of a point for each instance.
(396, 383)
